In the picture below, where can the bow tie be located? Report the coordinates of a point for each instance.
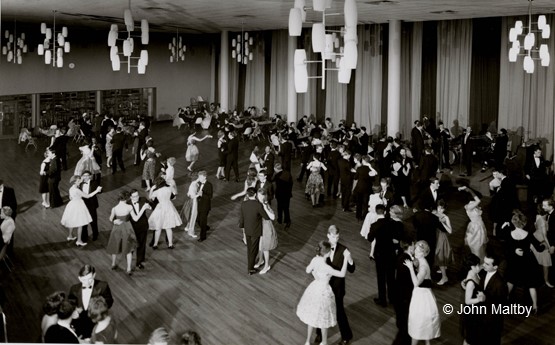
(333, 249)
(87, 287)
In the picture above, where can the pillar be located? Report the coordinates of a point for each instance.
(291, 94)
(224, 71)
(394, 78)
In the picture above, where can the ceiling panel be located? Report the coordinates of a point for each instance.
(212, 16)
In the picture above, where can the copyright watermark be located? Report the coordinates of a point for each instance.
(494, 309)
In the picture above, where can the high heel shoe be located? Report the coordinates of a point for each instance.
(258, 264)
(154, 247)
(549, 285)
(171, 247)
(264, 271)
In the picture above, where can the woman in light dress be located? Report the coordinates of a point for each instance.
(87, 162)
(189, 211)
(371, 217)
(424, 322)
(164, 216)
(317, 305)
(122, 238)
(315, 183)
(169, 174)
(192, 150)
(109, 147)
(443, 254)
(544, 258)
(76, 214)
(476, 236)
(268, 240)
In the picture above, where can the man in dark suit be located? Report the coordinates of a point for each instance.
(548, 206)
(364, 139)
(59, 145)
(384, 230)
(429, 164)
(252, 213)
(429, 197)
(403, 292)
(339, 253)
(536, 173)
(467, 150)
(306, 154)
(500, 148)
(88, 186)
(503, 202)
(417, 140)
(333, 170)
(364, 177)
(265, 184)
(493, 291)
(286, 153)
(426, 225)
(140, 205)
(81, 295)
(284, 193)
(118, 142)
(204, 203)
(232, 156)
(142, 133)
(54, 176)
(268, 161)
(346, 180)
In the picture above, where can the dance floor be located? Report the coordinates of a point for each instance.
(205, 286)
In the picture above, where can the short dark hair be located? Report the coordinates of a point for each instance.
(380, 209)
(492, 255)
(501, 170)
(323, 248)
(469, 261)
(251, 192)
(53, 301)
(65, 310)
(86, 269)
(190, 338)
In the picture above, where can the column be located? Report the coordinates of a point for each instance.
(224, 71)
(394, 78)
(291, 94)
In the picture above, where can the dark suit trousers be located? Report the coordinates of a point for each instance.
(342, 321)
(283, 210)
(346, 195)
(141, 235)
(94, 226)
(333, 183)
(402, 321)
(303, 170)
(55, 197)
(117, 159)
(231, 162)
(252, 250)
(385, 272)
(202, 220)
(362, 204)
(83, 325)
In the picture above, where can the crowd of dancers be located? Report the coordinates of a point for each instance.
(397, 189)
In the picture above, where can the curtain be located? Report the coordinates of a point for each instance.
(368, 78)
(484, 82)
(306, 102)
(278, 79)
(336, 97)
(411, 75)
(255, 73)
(429, 69)
(454, 57)
(526, 100)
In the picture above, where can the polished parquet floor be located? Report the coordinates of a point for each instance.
(204, 286)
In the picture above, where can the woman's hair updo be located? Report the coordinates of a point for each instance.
(323, 248)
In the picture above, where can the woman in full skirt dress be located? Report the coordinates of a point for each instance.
(315, 183)
(76, 214)
(424, 322)
(268, 240)
(122, 238)
(169, 175)
(371, 217)
(164, 216)
(476, 236)
(317, 305)
(192, 153)
(544, 258)
(87, 162)
(443, 254)
(189, 211)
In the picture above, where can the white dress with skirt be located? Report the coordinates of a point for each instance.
(317, 305)
(164, 216)
(76, 213)
(424, 322)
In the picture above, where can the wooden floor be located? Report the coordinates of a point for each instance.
(204, 286)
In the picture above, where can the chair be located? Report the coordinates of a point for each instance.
(4, 257)
(79, 137)
(30, 142)
(247, 133)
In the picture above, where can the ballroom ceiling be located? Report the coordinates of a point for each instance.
(212, 16)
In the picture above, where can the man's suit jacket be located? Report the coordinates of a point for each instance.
(426, 224)
(536, 173)
(286, 153)
(333, 162)
(496, 293)
(551, 229)
(428, 167)
(384, 230)
(345, 174)
(59, 146)
(118, 141)
(233, 147)
(284, 185)
(205, 200)
(100, 288)
(364, 182)
(268, 188)
(337, 283)
(403, 280)
(268, 164)
(8, 199)
(504, 201)
(251, 217)
(426, 200)
(92, 202)
(142, 223)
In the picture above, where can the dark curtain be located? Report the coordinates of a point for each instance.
(241, 88)
(268, 68)
(351, 98)
(485, 73)
(385, 64)
(429, 70)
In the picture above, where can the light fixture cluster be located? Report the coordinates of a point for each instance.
(336, 46)
(242, 47)
(177, 49)
(55, 44)
(15, 46)
(531, 41)
(128, 44)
